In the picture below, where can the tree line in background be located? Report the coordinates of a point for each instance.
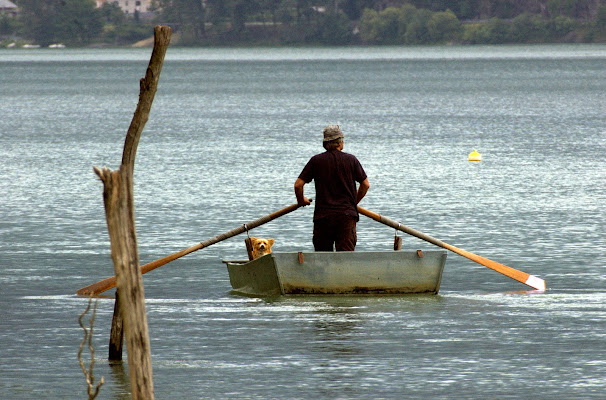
(73, 22)
(328, 22)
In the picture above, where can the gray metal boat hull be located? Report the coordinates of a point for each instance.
(386, 272)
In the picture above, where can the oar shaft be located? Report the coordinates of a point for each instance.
(108, 283)
(400, 227)
(219, 238)
(527, 279)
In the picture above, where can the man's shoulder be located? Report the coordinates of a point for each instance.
(330, 155)
(349, 156)
(321, 156)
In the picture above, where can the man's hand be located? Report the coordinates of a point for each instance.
(362, 189)
(304, 202)
(301, 199)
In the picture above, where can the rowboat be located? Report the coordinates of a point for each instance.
(360, 272)
(334, 273)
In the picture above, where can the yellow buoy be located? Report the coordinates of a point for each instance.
(475, 156)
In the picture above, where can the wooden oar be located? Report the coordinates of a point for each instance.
(108, 283)
(527, 279)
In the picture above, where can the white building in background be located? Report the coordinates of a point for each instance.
(8, 8)
(130, 6)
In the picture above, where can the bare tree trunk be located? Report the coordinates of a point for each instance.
(120, 214)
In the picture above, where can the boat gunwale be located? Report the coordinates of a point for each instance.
(287, 282)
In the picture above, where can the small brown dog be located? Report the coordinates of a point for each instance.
(260, 247)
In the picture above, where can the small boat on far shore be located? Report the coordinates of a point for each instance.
(360, 272)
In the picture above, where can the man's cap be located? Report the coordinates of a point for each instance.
(332, 132)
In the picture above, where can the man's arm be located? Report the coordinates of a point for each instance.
(301, 199)
(362, 189)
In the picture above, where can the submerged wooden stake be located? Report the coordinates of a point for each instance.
(120, 215)
(116, 336)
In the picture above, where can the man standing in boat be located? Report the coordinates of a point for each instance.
(335, 174)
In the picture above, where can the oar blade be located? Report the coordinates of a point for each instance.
(520, 276)
(536, 282)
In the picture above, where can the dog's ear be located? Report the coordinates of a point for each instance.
(271, 242)
(253, 239)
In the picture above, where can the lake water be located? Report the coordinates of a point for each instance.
(229, 131)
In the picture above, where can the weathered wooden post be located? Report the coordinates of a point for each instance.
(116, 336)
(120, 215)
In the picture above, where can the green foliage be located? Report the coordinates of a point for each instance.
(444, 27)
(74, 22)
(78, 21)
(112, 14)
(331, 22)
(285, 12)
(600, 20)
(598, 27)
(389, 26)
(186, 16)
(417, 31)
(368, 31)
(495, 31)
(9, 25)
(241, 10)
(409, 25)
(465, 9)
(126, 33)
(355, 8)
(562, 8)
(560, 26)
(329, 28)
(503, 9)
(219, 10)
(526, 28)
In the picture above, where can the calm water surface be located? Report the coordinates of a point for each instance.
(229, 132)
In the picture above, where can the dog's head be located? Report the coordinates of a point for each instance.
(260, 247)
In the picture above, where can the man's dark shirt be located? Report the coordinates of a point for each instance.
(335, 174)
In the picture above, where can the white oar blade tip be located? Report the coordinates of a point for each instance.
(536, 282)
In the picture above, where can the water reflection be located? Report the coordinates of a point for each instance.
(119, 384)
(333, 332)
